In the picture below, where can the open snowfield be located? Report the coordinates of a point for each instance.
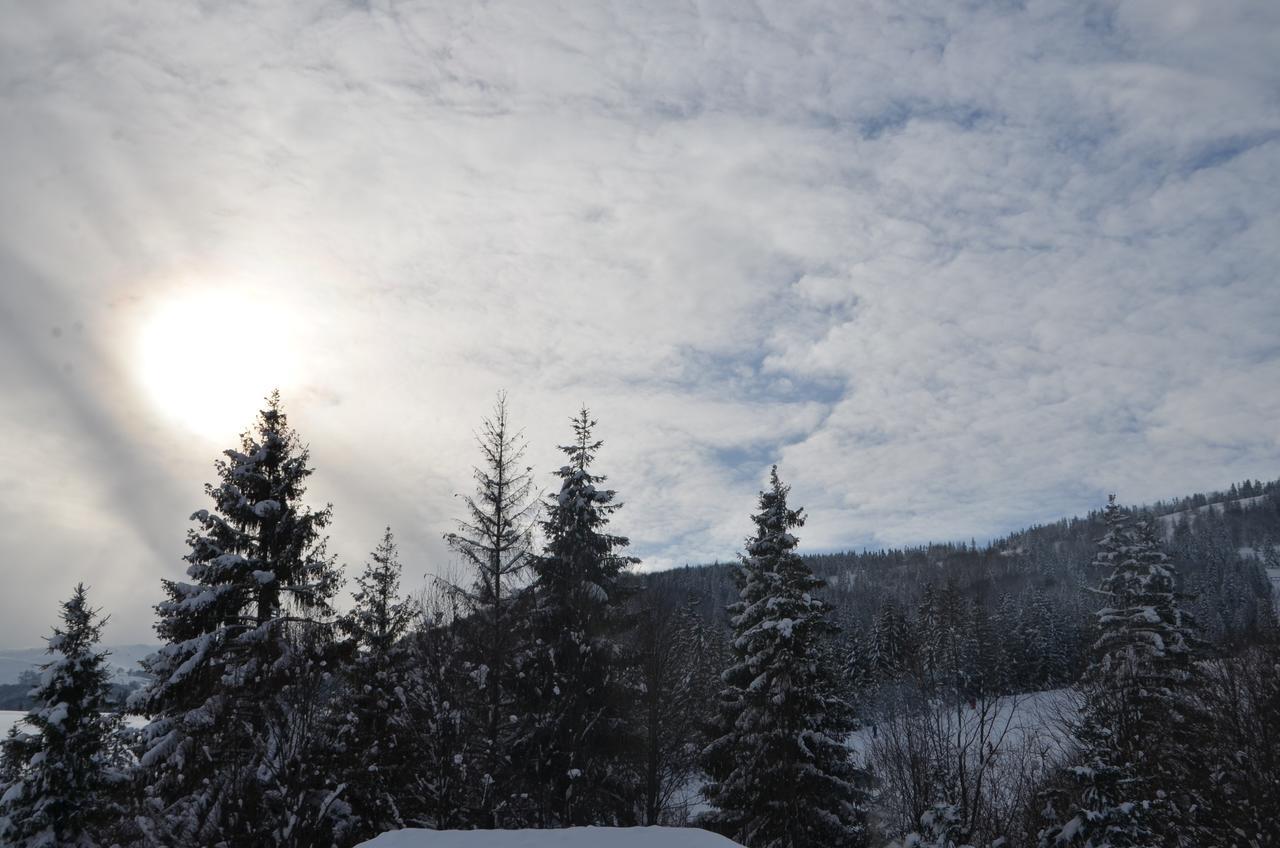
(1016, 720)
(7, 719)
(571, 837)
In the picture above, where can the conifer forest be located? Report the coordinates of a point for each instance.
(1108, 680)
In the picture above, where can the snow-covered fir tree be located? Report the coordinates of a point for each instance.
(1140, 718)
(372, 742)
(857, 663)
(944, 641)
(578, 746)
(237, 691)
(983, 658)
(63, 764)
(1014, 660)
(891, 645)
(1040, 635)
(495, 541)
(781, 776)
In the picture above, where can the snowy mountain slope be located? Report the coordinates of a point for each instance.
(571, 837)
(123, 661)
(1170, 519)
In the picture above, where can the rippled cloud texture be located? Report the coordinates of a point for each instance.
(958, 267)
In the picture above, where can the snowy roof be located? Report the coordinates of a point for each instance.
(572, 837)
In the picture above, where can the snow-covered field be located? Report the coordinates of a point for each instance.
(8, 718)
(1015, 720)
(571, 837)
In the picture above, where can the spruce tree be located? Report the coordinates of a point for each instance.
(236, 691)
(891, 644)
(857, 666)
(63, 767)
(781, 776)
(1140, 719)
(578, 746)
(982, 655)
(943, 627)
(1040, 636)
(495, 541)
(372, 742)
(1015, 659)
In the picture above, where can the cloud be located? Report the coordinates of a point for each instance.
(958, 267)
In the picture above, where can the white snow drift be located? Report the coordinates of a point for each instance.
(571, 837)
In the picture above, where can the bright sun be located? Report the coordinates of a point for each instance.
(207, 361)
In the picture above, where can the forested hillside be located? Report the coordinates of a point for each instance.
(1036, 587)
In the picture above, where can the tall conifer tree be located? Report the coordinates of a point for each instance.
(1140, 719)
(235, 687)
(495, 540)
(781, 774)
(372, 743)
(579, 746)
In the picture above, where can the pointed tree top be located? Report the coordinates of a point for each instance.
(583, 450)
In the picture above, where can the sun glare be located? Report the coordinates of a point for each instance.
(207, 361)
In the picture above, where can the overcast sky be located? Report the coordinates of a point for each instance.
(958, 267)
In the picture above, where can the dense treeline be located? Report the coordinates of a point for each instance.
(831, 700)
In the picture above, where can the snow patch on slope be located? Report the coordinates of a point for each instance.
(1169, 520)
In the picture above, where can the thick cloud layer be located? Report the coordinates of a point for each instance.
(957, 267)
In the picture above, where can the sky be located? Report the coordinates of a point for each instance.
(957, 267)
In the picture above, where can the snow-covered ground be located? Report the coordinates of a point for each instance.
(8, 718)
(1014, 720)
(571, 837)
